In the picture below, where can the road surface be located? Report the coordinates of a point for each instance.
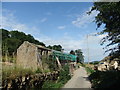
(79, 80)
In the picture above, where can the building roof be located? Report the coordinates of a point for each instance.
(38, 46)
(61, 55)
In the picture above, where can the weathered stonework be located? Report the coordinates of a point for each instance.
(29, 55)
(29, 81)
(108, 64)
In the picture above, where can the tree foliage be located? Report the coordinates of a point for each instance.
(105, 79)
(79, 54)
(72, 52)
(11, 40)
(55, 47)
(109, 17)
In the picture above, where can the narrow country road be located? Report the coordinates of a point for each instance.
(79, 80)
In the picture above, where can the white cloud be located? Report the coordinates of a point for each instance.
(103, 35)
(84, 19)
(43, 20)
(61, 27)
(66, 42)
(69, 43)
(10, 22)
(92, 44)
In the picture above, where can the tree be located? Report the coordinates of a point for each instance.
(11, 45)
(11, 40)
(18, 35)
(5, 34)
(50, 47)
(72, 52)
(109, 17)
(79, 54)
(55, 47)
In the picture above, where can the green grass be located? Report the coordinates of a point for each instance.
(52, 84)
(89, 70)
(63, 78)
(10, 59)
(14, 71)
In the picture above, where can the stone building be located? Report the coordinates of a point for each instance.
(29, 55)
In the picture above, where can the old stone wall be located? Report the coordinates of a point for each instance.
(29, 81)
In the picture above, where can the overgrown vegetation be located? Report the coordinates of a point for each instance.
(9, 59)
(14, 71)
(82, 64)
(89, 70)
(49, 63)
(64, 76)
(38, 70)
(52, 84)
(105, 79)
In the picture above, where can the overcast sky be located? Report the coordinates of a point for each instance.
(64, 23)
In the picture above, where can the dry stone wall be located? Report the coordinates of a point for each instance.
(29, 81)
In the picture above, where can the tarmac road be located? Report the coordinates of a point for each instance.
(79, 79)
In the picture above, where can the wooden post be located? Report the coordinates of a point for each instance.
(59, 64)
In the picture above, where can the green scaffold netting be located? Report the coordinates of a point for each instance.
(64, 56)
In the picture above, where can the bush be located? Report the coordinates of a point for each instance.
(10, 59)
(38, 70)
(83, 65)
(51, 84)
(64, 74)
(49, 62)
(89, 70)
(13, 72)
(108, 79)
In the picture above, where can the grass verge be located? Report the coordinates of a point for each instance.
(89, 70)
(14, 71)
(51, 84)
(63, 78)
